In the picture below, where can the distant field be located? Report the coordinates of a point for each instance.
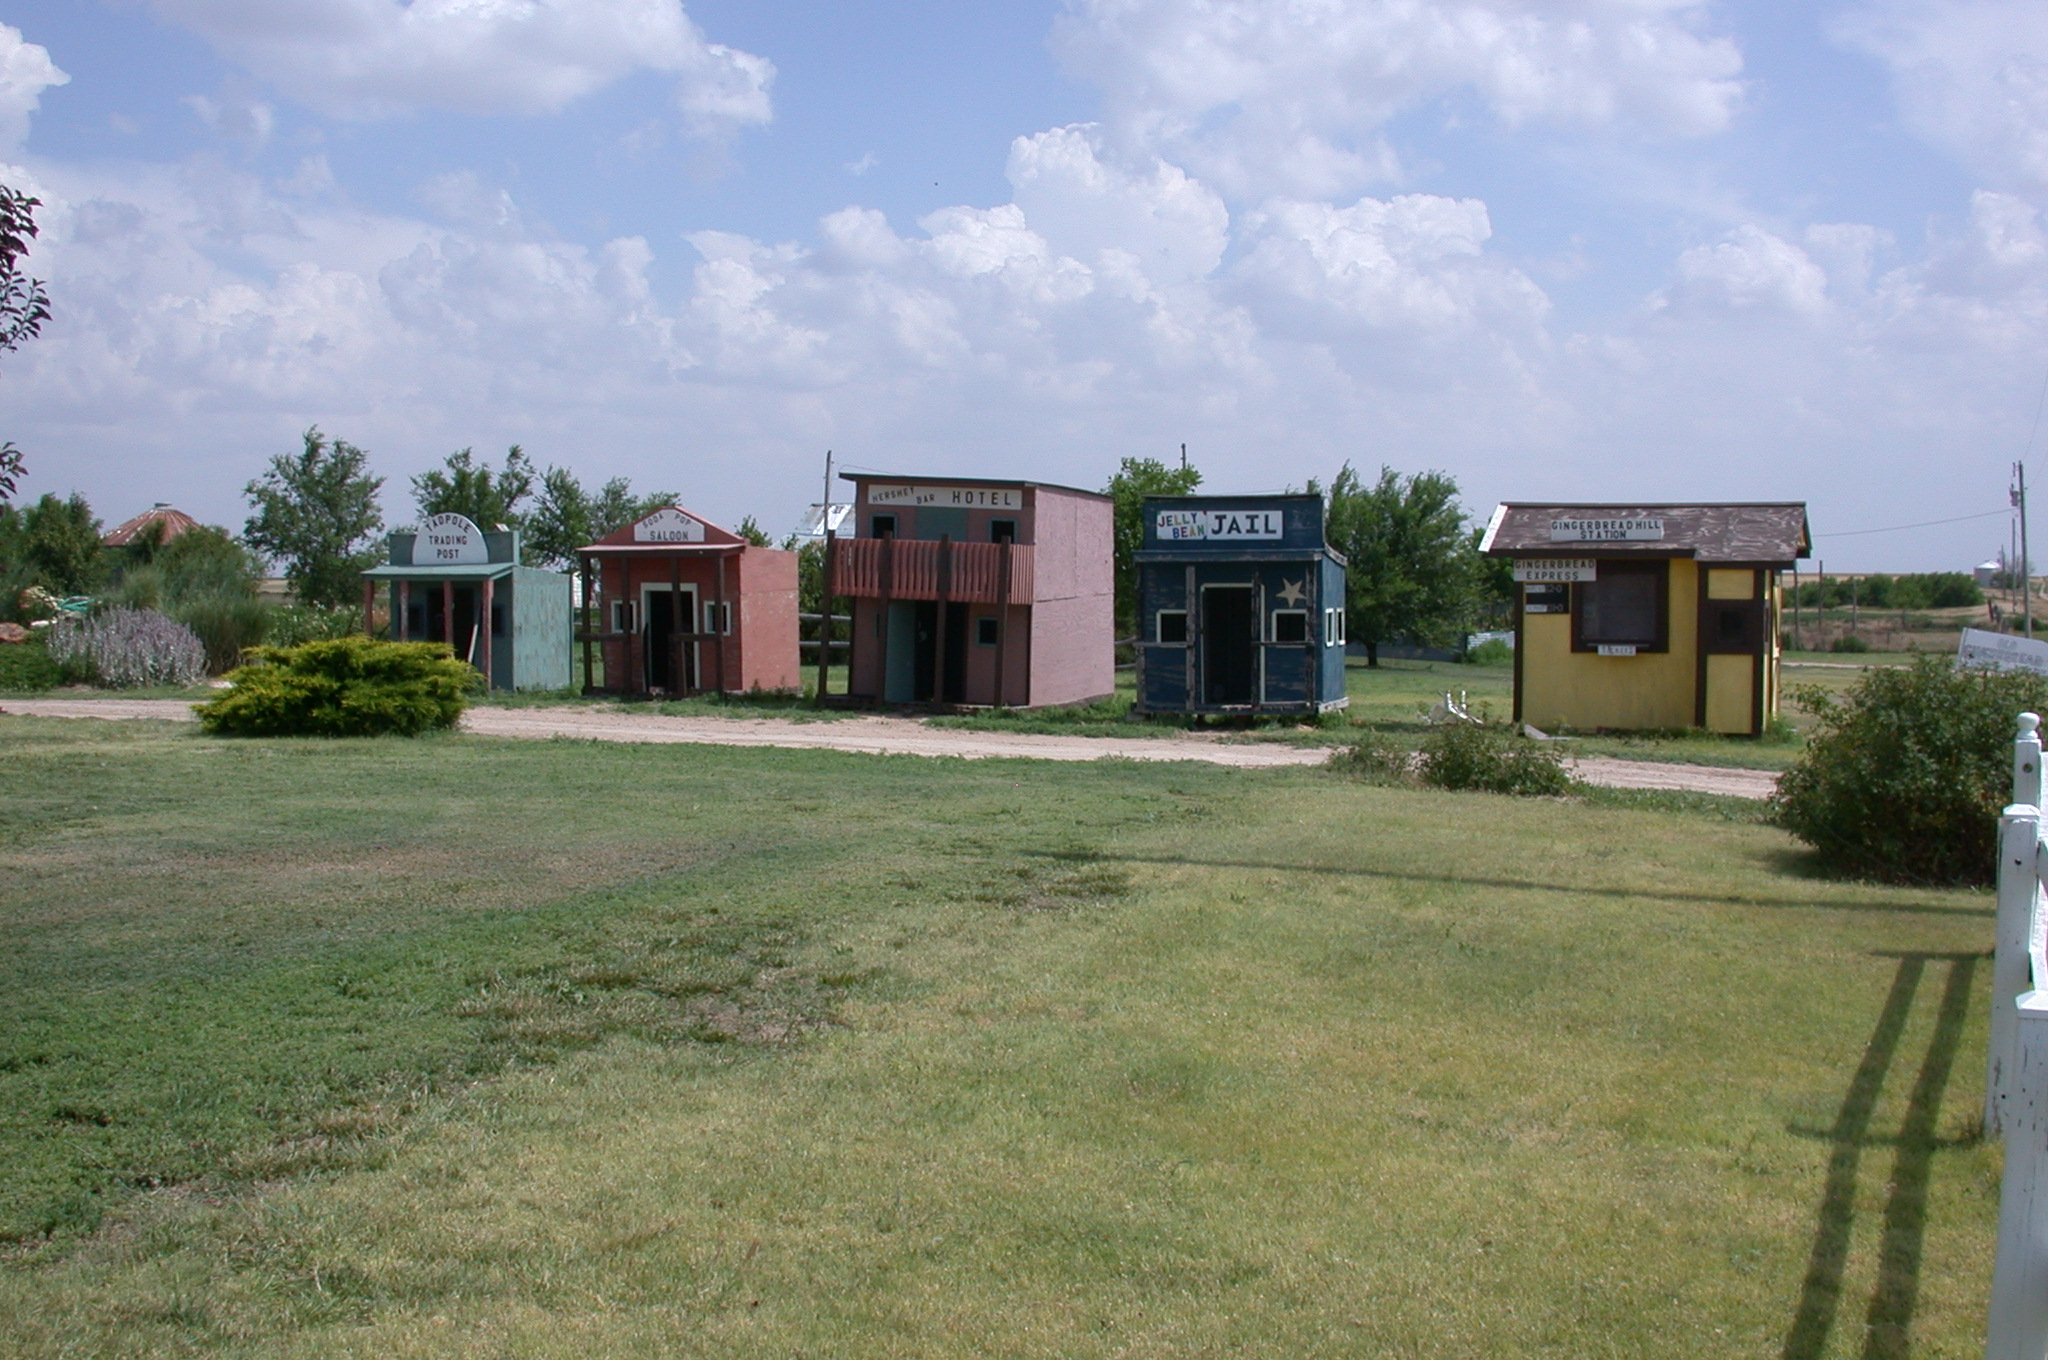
(460, 1047)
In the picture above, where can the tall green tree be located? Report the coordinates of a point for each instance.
(565, 516)
(24, 305)
(463, 486)
(1414, 575)
(60, 544)
(1135, 479)
(316, 512)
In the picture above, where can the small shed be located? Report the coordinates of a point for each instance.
(978, 592)
(453, 582)
(1634, 617)
(680, 606)
(163, 519)
(1240, 607)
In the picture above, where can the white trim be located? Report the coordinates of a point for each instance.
(1500, 512)
(1273, 627)
(676, 617)
(1159, 614)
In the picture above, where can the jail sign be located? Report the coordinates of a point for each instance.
(1182, 526)
(449, 541)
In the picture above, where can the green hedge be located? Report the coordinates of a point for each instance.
(347, 687)
(27, 667)
(1904, 777)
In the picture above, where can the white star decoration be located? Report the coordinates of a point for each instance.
(1291, 592)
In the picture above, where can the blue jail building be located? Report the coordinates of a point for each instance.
(1240, 607)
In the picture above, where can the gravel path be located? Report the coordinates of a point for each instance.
(880, 735)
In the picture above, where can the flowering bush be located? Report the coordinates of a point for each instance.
(127, 648)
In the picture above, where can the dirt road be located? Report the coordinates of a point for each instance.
(879, 735)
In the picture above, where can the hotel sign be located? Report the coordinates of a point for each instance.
(449, 541)
(966, 497)
(1552, 570)
(1606, 530)
(1181, 526)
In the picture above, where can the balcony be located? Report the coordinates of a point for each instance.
(915, 569)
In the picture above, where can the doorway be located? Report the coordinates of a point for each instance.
(667, 612)
(915, 673)
(1229, 650)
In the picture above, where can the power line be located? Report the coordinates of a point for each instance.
(1924, 524)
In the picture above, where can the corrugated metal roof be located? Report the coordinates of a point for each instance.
(1772, 532)
(175, 522)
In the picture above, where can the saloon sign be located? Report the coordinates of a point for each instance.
(669, 526)
(449, 541)
(1181, 526)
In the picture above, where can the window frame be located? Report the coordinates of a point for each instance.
(1659, 641)
(1307, 637)
(988, 631)
(1159, 637)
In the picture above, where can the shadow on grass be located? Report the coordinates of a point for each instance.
(1888, 1320)
(1533, 885)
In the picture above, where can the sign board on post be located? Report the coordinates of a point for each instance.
(449, 541)
(2001, 652)
(1551, 570)
(1606, 530)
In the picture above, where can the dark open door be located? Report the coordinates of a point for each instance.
(668, 614)
(955, 669)
(1229, 653)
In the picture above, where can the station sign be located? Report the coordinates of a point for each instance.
(669, 525)
(965, 497)
(1542, 570)
(1606, 530)
(1183, 526)
(449, 541)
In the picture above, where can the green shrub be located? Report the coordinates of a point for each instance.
(1492, 759)
(1903, 777)
(26, 666)
(1492, 652)
(347, 687)
(1375, 757)
(1849, 642)
(227, 624)
(291, 625)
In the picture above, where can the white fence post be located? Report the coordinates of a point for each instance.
(2019, 889)
(2017, 1328)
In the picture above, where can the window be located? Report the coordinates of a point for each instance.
(882, 526)
(625, 618)
(988, 632)
(1002, 531)
(717, 617)
(1290, 625)
(1625, 606)
(1171, 625)
(497, 620)
(1333, 628)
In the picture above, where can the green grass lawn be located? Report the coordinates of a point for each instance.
(457, 1047)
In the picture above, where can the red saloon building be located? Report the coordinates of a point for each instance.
(676, 605)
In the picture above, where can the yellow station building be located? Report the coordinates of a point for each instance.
(1635, 617)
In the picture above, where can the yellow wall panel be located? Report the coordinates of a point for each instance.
(1725, 583)
(1563, 688)
(1730, 682)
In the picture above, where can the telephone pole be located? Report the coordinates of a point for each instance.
(2019, 500)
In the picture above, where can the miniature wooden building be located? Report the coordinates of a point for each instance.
(1240, 607)
(681, 606)
(1633, 617)
(978, 592)
(455, 583)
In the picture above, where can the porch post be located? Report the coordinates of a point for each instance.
(583, 569)
(484, 630)
(369, 607)
(400, 624)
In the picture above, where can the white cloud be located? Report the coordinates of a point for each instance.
(1752, 270)
(25, 72)
(1971, 77)
(1289, 99)
(378, 58)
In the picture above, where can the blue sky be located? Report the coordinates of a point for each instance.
(1590, 249)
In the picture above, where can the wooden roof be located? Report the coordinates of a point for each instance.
(175, 522)
(1754, 532)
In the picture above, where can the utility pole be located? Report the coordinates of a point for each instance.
(2026, 563)
(1183, 456)
(825, 601)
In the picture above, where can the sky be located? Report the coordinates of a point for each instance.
(1603, 250)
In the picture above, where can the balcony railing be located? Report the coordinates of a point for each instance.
(917, 569)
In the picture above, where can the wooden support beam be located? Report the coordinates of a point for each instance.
(825, 623)
(1002, 624)
(369, 607)
(400, 624)
(484, 629)
(945, 582)
(589, 624)
(680, 681)
(724, 628)
(448, 612)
